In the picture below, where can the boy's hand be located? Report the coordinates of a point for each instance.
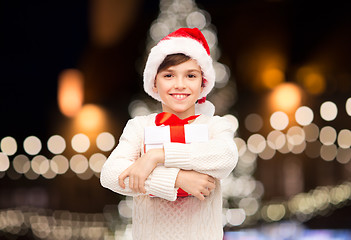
(197, 184)
(140, 170)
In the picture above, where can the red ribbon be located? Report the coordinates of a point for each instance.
(177, 132)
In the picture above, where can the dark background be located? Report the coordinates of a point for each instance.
(39, 39)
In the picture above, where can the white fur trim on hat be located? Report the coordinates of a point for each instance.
(173, 45)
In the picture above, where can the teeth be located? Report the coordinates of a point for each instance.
(179, 96)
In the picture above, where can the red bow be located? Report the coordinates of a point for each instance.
(177, 132)
(166, 118)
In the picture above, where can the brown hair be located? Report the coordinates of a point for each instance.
(172, 60)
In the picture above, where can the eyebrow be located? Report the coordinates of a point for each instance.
(188, 70)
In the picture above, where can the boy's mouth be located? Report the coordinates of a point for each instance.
(179, 96)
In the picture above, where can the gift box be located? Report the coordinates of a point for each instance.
(156, 136)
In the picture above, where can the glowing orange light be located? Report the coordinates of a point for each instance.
(272, 77)
(286, 97)
(70, 92)
(91, 118)
(312, 80)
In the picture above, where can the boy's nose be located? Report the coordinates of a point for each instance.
(180, 83)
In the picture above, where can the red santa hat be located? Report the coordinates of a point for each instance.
(190, 42)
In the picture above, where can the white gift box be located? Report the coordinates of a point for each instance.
(156, 136)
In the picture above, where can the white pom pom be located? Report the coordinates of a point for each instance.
(206, 108)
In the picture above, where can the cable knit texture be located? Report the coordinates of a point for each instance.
(165, 216)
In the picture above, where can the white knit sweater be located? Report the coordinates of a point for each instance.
(166, 216)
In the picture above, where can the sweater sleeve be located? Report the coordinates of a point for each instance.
(216, 157)
(161, 181)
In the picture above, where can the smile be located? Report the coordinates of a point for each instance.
(179, 96)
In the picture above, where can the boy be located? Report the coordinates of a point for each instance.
(179, 73)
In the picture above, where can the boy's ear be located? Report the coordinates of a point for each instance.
(154, 89)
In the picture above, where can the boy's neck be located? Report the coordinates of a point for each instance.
(181, 115)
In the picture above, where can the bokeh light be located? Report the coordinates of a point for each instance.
(56, 144)
(348, 106)
(21, 164)
(91, 118)
(276, 139)
(267, 153)
(276, 212)
(96, 161)
(304, 115)
(311, 79)
(80, 142)
(79, 163)
(344, 138)
(311, 132)
(343, 155)
(233, 120)
(222, 74)
(279, 120)
(59, 164)
(328, 111)
(327, 135)
(328, 152)
(70, 92)
(40, 164)
(138, 108)
(250, 205)
(286, 97)
(256, 143)
(295, 135)
(8, 146)
(32, 145)
(241, 145)
(196, 19)
(272, 77)
(4, 162)
(236, 216)
(253, 122)
(105, 141)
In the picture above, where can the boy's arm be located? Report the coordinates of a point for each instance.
(159, 183)
(216, 157)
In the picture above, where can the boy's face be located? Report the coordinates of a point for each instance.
(179, 88)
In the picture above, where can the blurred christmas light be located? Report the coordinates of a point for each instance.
(59, 164)
(79, 163)
(344, 138)
(348, 106)
(8, 146)
(286, 97)
(311, 132)
(4, 162)
(311, 79)
(253, 122)
(304, 115)
(70, 92)
(56, 144)
(276, 139)
(279, 120)
(272, 77)
(80, 142)
(32, 145)
(256, 143)
(327, 135)
(328, 111)
(91, 118)
(105, 141)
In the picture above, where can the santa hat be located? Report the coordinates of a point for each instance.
(191, 42)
